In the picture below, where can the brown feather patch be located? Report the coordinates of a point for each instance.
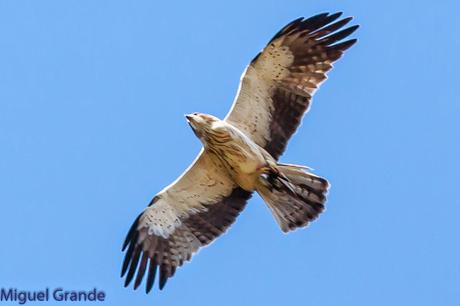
(196, 231)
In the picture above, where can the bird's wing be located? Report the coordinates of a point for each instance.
(277, 86)
(187, 215)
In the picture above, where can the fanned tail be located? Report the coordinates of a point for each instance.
(294, 195)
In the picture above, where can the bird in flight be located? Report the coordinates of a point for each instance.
(240, 155)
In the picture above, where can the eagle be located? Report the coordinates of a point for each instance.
(240, 155)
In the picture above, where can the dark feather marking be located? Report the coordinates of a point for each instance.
(129, 254)
(312, 25)
(151, 275)
(132, 268)
(131, 231)
(163, 276)
(329, 40)
(313, 21)
(141, 270)
(285, 29)
(331, 28)
(345, 45)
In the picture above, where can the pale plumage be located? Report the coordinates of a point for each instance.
(240, 155)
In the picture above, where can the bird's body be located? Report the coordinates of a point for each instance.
(240, 155)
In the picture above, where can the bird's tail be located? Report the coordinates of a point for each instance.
(294, 195)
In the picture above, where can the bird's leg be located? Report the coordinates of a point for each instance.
(273, 177)
(273, 168)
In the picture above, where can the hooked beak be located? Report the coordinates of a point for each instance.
(189, 117)
(193, 122)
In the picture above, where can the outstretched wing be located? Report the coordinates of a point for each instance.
(189, 214)
(277, 86)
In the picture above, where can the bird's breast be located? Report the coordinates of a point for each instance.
(243, 159)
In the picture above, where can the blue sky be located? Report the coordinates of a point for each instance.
(92, 97)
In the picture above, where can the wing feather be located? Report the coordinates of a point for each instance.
(277, 86)
(187, 215)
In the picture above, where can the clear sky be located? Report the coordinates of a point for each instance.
(92, 98)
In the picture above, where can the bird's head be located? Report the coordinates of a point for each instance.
(203, 125)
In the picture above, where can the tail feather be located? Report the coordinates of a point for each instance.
(294, 196)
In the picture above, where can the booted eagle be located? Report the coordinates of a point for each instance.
(240, 155)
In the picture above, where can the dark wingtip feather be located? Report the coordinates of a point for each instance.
(332, 27)
(163, 276)
(284, 29)
(333, 38)
(132, 268)
(141, 271)
(163, 282)
(334, 17)
(131, 231)
(128, 257)
(344, 45)
(316, 17)
(318, 21)
(151, 275)
(301, 23)
(353, 28)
